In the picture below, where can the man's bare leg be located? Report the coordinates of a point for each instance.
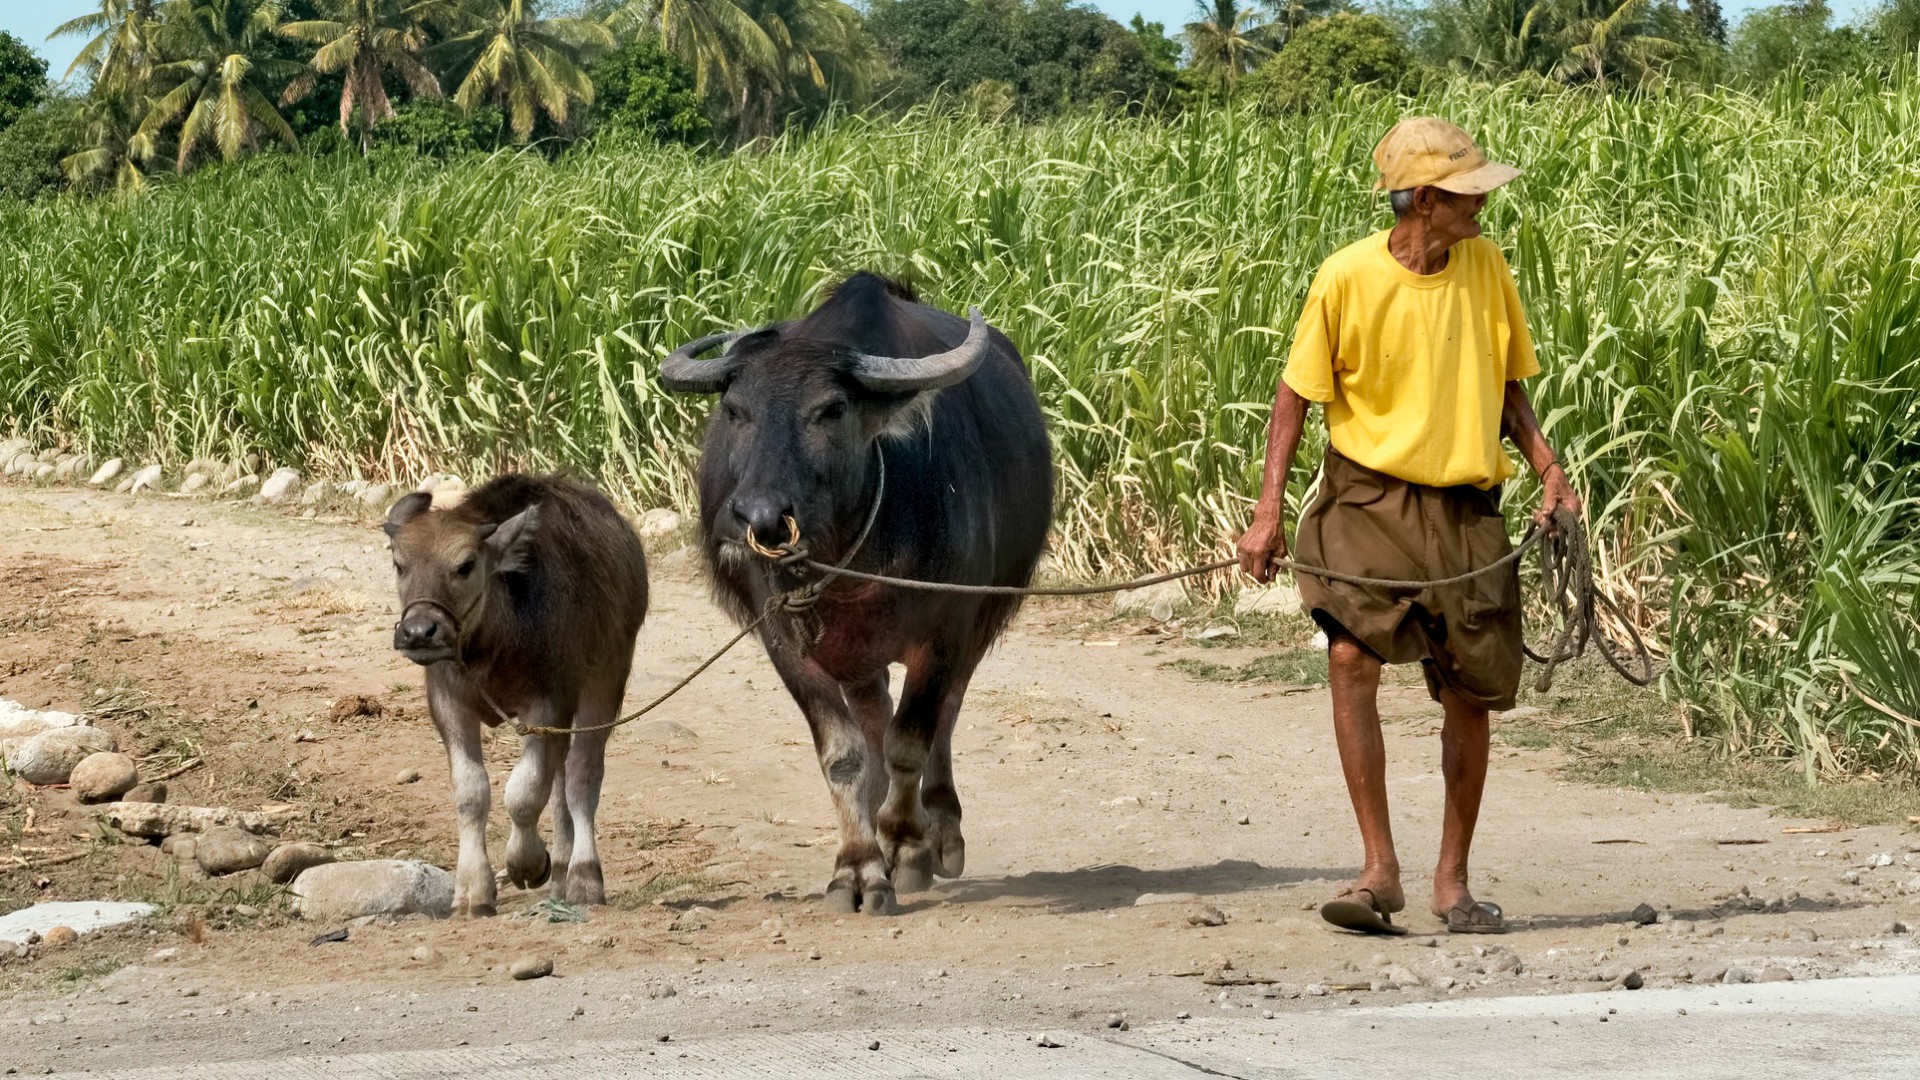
(1354, 674)
(1463, 762)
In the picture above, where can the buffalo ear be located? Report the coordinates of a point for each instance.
(512, 541)
(408, 508)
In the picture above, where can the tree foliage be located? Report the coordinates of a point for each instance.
(23, 79)
(1328, 56)
(642, 92)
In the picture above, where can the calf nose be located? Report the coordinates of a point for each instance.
(766, 517)
(416, 631)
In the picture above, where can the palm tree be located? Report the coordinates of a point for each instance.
(120, 49)
(1222, 41)
(718, 39)
(528, 64)
(119, 55)
(1290, 15)
(820, 48)
(216, 57)
(1601, 39)
(367, 40)
(1507, 36)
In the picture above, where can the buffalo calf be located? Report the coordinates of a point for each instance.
(524, 599)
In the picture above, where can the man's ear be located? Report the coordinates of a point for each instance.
(405, 510)
(512, 541)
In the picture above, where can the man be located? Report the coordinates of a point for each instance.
(1414, 340)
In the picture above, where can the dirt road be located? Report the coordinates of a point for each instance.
(1096, 780)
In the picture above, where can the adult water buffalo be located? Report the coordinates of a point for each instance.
(525, 599)
(874, 415)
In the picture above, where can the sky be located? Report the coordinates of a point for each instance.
(32, 20)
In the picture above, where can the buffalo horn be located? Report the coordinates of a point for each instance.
(905, 375)
(681, 373)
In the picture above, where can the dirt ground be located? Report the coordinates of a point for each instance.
(217, 637)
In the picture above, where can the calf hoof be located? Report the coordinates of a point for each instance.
(474, 911)
(841, 899)
(518, 875)
(913, 870)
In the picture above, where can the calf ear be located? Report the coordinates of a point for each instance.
(408, 508)
(512, 542)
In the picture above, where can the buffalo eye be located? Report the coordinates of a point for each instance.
(465, 568)
(733, 412)
(397, 568)
(830, 412)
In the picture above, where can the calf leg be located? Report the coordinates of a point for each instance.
(586, 765)
(854, 780)
(919, 824)
(528, 787)
(473, 887)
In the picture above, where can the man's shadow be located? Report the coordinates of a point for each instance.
(1115, 885)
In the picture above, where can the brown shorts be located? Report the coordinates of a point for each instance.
(1370, 524)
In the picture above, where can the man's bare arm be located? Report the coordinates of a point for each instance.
(1518, 423)
(1266, 537)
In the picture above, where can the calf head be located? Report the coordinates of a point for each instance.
(447, 564)
(797, 420)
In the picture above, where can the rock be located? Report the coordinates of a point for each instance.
(1206, 915)
(19, 722)
(152, 792)
(661, 990)
(449, 492)
(82, 916)
(1503, 964)
(194, 482)
(67, 466)
(244, 483)
(425, 954)
(347, 890)
(166, 819)
(106, 472)
(1272, 600)
(1896, 928)
(147, 477)
(1149, 899)
(666, 732)
(315, 492)
(374, 494)
(287, 861)
(1525, 712)
(1880, 859)
(50, 757)
(180, 846)
(280, 485)
(43, 473)
(1644, 915)
(1633, 980)
(694, 918)
(103, 777)
(406, 776)
(1157, 602)
(531, 967)
(59, 935)
(352, 487)
(228, 850)
(1775, 974)
(1735, 976)
(658, 522)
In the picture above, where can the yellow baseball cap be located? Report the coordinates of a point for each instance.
(1426, 151)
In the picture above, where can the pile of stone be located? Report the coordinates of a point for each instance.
(49, 747)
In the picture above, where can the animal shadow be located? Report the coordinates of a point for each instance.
(1116, 885)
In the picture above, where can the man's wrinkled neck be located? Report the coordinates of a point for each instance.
(1416, 245)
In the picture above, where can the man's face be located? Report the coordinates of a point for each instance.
(1456, 217)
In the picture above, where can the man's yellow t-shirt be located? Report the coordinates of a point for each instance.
(1413, 368)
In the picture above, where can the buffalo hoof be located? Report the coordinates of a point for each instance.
(951, 858)
(474, 911)
(585, 887)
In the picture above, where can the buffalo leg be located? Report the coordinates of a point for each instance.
(919, 824)
(939, 800)
(560, 848)
(528, 787)
(473, 887)
(854, 779)
(586, 765)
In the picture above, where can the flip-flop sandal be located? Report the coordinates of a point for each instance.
(1348, 912)
(1478, 917)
